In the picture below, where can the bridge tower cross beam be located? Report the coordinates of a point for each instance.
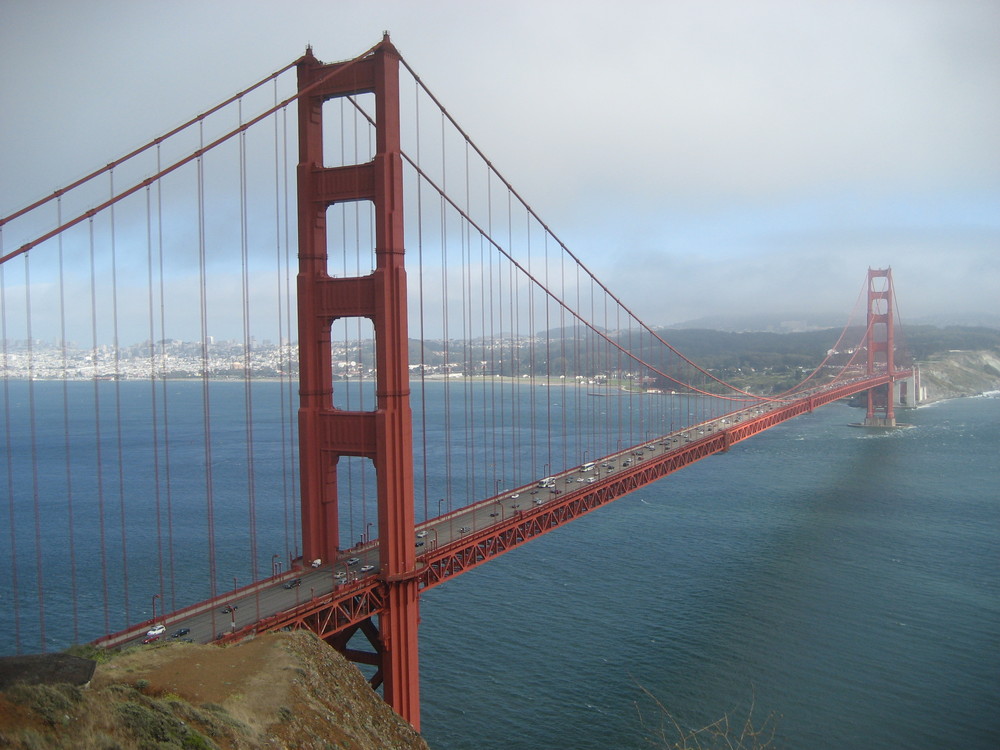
(385, 434)
(881, 346)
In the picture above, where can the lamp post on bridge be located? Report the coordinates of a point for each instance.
(368, 531)
(439, 506)
(155, 597)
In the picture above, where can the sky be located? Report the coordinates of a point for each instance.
(702, 158)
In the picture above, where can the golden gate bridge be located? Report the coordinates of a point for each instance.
(310, 438)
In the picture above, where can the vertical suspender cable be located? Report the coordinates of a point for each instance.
(420, 306)
(532, 387)
(205, 367)
(548, 366)
(164, 392)
(284, 366)
(98, 440)
(563, 369)
(466, 279)
(33, 432)
(444, 316)
(11, 515)
(515, 359)
(289, 322)
(506, 353)
(155, 427)
(248, 412)
(118, 402)
(579, 420)
(71, 526)
(493, 257)
(484, 390)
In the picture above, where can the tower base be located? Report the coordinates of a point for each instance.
(880, 423)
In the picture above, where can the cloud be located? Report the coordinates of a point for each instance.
(742, 151)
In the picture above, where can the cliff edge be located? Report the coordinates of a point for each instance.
(280, 690)
(960, 373)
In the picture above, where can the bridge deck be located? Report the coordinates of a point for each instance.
(337, 597)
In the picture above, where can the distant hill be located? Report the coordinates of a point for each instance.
(798, 323)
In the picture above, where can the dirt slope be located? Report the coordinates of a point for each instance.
(282, 690)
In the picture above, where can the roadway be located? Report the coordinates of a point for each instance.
(243, 608)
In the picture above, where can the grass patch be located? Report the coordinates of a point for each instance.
(154, 726)
(54, 703)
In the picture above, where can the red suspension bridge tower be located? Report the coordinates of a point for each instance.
(881, 348)
(384, 435)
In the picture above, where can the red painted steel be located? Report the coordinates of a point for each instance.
(881, 347)
(383, 435)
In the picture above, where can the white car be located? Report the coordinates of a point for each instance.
(421, 534)
(156, 630)
(366, 568)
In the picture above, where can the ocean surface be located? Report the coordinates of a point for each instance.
(837, 585)
(840, 585)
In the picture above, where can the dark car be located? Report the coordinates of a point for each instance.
(229, 608)
(150, 638)
(180, 633)
(293, 583)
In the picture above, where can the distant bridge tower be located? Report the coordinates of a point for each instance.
(384, 435)
(881, 348)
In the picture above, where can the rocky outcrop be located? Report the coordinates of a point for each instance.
(960, 373)
(280, 690)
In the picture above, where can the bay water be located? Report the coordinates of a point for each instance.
(838, 585)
